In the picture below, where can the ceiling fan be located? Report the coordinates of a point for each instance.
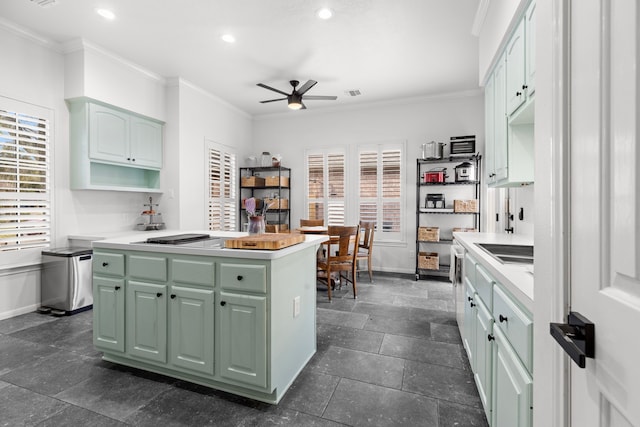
(294, 99)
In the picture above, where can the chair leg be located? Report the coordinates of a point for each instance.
(353, 282)
(369, 267)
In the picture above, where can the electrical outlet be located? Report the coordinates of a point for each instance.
(296, 306)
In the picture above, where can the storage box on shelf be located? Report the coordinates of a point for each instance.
(431, 205)
(271, 186)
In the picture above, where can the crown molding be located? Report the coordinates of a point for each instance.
(179, 81)
(481, 15)
(30, 35)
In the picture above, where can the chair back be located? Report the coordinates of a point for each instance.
(366, 230)
(311, 222)
(348, 238)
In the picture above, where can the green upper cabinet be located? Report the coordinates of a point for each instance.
(515, 52)
(530, 49)
(243, 339)
(113, 149)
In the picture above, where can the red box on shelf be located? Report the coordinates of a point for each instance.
(435, 175)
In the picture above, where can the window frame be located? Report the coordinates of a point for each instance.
(225, 203)
(32, 254)
(326, 199)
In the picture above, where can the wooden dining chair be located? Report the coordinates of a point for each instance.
(311, 222)
(340, 257)
(365, 247)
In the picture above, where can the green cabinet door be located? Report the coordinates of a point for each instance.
(108, 134)
(108, 313)
(512, 387)
(516, 93)
(484, 347)
(147, 321)
(470, 310)
(146, 143)
(243, 338)
(191, 335)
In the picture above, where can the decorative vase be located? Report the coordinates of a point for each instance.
(256, 224)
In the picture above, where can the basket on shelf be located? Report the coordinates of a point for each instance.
(429, 260)
(429, 234)
(252, 181)
(277, 203)
(465, 205)
(276, 228)
(275, 181)
(461, 229)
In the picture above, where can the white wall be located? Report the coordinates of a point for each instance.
(414, 121)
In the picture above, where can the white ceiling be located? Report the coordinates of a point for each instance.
(387, 49)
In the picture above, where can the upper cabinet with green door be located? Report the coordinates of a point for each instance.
(114, 149)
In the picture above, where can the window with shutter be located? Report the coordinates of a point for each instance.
(25, 187)
(326, 186)
(222, 206)
(380, 197)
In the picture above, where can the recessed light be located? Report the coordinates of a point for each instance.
(106, 14)
(324, 13)
(228, 38)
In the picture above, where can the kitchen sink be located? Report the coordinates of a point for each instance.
(509, 254)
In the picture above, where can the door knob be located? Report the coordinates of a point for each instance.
(577, 337)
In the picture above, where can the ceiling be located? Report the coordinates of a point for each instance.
(386, 49)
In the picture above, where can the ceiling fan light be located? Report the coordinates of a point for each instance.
(325, 13)
(295, 105)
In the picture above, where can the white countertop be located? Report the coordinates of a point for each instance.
(134, 241)
(516, 278)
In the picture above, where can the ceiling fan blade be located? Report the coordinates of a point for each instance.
(272, 88)
(317, 97)
(304, 107)
(305, 87)
(272, 100)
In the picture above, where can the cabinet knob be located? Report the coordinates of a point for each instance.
(502, 318)
(524, 87)
(104, 264)
(159, 294)
(128, 158)
(472, 305)
(240, 277)
(518, 93)
(469, 299)
(490, 337)
(133, 160)
(223, 303)
(117, 288)
(173, 296)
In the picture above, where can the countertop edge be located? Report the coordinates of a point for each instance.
(515, 278)
(131, 242)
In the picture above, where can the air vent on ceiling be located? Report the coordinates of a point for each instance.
(354, 92)
(44, 3)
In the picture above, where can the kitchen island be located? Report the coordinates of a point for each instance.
(241, 321)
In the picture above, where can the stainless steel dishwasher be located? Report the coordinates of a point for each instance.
(65, 281)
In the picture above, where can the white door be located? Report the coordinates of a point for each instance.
(605, 208)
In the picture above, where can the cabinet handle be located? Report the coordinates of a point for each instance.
(159, 294)
(524, 87)
(223, 303)
(104, 264)
(518, 93)
(173, 296)
(490, 338)
(472, 305)
(240, 277)
(502, 318)
(117, 288)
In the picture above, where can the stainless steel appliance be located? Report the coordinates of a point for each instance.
(433, 150)
(465, 172)
(462, 145)
(65, 281)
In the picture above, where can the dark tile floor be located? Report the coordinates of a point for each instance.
(392, 357)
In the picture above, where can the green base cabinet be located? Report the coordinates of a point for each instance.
(498, 337)
(243, 339)
(225, 323)
(108, 312)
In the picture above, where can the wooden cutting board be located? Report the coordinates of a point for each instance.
(267, 241)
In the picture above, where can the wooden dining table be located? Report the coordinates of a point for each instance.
(316, 229)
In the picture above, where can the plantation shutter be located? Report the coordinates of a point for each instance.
(222, 207)
(326, 187)
(25, 193)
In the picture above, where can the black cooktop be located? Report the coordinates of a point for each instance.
(178, 239)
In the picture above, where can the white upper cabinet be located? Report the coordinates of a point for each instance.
(516, 70)
(530, 49)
